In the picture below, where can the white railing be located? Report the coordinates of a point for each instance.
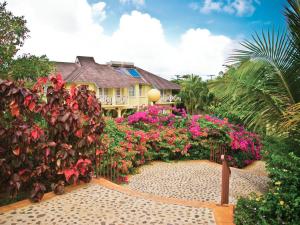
(124, 100)
(169, 98)
(121, 100)
(105, 100)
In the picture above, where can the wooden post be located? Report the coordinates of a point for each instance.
(225, 181)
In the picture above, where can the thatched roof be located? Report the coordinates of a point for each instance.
(109, 75)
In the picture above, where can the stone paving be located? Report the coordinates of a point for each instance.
(95, 204)
(196, 180)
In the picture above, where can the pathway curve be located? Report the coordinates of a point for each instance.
(197, 180)
(96, 204)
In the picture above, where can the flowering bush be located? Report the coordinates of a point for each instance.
(160, 133)
(44, 142)
(242, 146)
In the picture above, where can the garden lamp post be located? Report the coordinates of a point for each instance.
(154, 95)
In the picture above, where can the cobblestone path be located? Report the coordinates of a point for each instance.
(197, 180)
(95, 204)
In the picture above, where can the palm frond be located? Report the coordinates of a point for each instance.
(292, 117)
(292, 13)
(251, 91)
(276, 49)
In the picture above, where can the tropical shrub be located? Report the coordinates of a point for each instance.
(194, 94)
(46, 138)
(281, 204)
(164, 133)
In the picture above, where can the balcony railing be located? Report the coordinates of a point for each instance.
(169, 98)
(121, 100)
(116, 100)
(105, 100)
(125, 100)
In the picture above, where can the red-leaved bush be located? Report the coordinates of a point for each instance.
(47, 135)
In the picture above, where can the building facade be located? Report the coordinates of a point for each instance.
(119, 86)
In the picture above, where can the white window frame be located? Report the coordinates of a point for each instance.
(131, 91)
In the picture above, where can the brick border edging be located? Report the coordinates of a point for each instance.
(223, 214)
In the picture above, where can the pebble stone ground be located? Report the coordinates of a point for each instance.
(197, 180)
(95, 204)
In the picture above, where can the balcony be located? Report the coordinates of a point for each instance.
(169, 99)
(116, 100)
(134, 101)
(121, 100)
(105, 100)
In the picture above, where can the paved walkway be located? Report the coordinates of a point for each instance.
(163, 193)
(96, 204)
(197, 180)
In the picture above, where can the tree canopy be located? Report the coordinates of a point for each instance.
(194, 93)
(13, 33)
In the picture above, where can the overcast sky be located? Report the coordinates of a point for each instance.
(166, 37)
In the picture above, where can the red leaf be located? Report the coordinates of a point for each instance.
(99, 152)
(90, 100)
(14, 109)
(69, 173)
(42, 80)
(31, 106)
(47, 152)
(23, 171)
(75, 106)
(72, 90)
(78, 133)
(52, 144)
(90, 138)
(27, 100)
(16, 151)
(34, 134)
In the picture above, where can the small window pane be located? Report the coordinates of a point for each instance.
(118, 91)
(141, 90)
(131, 91)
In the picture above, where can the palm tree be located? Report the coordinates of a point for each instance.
(262, 84)
(194, 94)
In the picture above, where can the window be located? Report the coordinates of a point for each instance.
(104, 91)
(131, 91)
(118, 91)
(161, 92)
(141, 90)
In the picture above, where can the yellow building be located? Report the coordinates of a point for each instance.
(118, 85)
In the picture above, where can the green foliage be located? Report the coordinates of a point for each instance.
(222, 111)
(194, 94)
(262, 85)
(30, 67)
(281, 204)
(13, 33)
